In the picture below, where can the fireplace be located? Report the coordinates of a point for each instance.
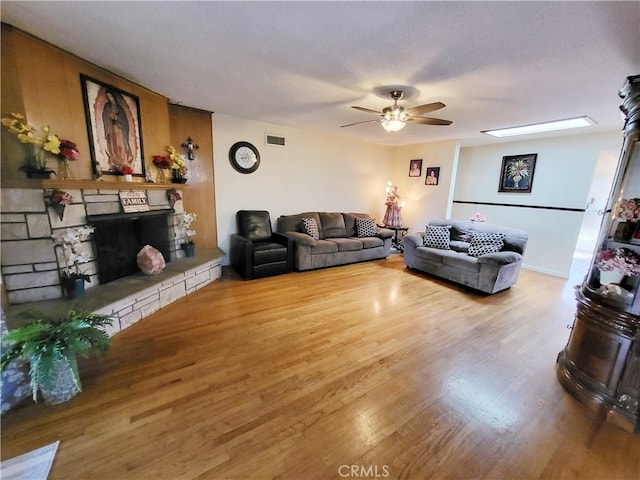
(120, 236)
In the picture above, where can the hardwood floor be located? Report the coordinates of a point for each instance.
(361, 371)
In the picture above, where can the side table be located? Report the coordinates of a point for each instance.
(399, 232)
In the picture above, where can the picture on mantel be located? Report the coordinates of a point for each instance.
(113, 124)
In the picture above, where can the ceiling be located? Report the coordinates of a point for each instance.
(303, 64)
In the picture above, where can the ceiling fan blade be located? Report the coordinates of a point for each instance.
(359, 123)
(429, 107)
(362, 109)
(428, 121)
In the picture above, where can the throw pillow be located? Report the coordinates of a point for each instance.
(310, 227)
(483, 243)
(438, 237)
(366, 227)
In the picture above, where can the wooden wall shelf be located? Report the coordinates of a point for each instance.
(72, 184)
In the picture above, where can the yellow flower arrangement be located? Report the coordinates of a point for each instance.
(43, 143)
(177, 160)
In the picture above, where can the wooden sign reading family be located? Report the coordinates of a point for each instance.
(134, 201)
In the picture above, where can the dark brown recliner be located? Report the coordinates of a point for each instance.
(257, 251)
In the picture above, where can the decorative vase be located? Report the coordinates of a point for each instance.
(516, 180)
(46, 174)
(611, 277)
(73, 287)
(189, 249)
(128, 177)
(625, 231)
(60, 384)
(64, 170)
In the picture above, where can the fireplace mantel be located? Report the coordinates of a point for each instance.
(72, 184)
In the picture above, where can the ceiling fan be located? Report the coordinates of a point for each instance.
(394, 118)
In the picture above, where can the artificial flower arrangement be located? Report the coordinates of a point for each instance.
(629, 210)
(126, 170)
(43, 144)
(178, 164)
(622, 259)
(71, 239)
(478, 217)
(161, 161)
(186, 219)
(58, 200)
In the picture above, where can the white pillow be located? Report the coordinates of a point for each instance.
(438, 237)
(310, 227)
(366, 227)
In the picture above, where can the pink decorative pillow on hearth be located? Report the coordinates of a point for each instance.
(150, 260)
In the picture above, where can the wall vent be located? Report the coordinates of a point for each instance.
(275, 140)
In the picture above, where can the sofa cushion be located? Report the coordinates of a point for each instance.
(350, 222)
(333, 225)
(437, 237)
(269, 252)
(347, 244)
(430, 254)
(324, 246)
(310, 227)
(485, 242)
(458, 246)
(293, 223)
(366, 227)
(461, 261)
(371, 242)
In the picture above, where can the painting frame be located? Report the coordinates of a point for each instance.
(516, 169)
(117, 142)
(415, 167)
(432, 178)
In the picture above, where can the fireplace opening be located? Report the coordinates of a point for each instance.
(120, 236)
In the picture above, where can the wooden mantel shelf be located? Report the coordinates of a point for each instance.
(72, 184)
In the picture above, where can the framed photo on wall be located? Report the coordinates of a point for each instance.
(415, 168)
(113, 124)
(433, 176)
(516, 175)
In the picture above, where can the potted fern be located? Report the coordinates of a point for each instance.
(52, 345)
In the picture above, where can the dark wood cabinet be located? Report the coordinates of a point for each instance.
(600, 366)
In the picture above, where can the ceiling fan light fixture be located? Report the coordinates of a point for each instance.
(393, 121)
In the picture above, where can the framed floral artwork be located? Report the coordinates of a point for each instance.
(415, 168)
(516, 175)
(113, 124)
(433, 176)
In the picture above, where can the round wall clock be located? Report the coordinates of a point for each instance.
(244, 157)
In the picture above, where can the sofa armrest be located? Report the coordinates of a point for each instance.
(302, 238)
(384, 233)
(500, 258)
(413, 239)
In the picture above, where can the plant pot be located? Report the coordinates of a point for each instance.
(611, 277)
(189, 249)
(61, 383)
(178, 180)
(128, 177)
(39, 174)
(73, 287)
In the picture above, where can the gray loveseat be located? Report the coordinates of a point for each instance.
(489, 273)
(338, 241)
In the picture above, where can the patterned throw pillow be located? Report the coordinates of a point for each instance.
(310, 227)
(483, 243)
(437, 237)
(366, 227)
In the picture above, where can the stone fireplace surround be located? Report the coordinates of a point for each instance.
(30, 262)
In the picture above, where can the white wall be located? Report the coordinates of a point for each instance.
(424, 202)
(563, 175)
(314, 172)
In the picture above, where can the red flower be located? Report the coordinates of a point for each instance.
(68, 150)
(126, 170)
(161, 161)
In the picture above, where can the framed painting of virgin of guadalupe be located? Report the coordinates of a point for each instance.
(113, 124)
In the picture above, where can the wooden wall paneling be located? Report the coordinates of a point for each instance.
(200, 192)
(43, 82)
(11, 149)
